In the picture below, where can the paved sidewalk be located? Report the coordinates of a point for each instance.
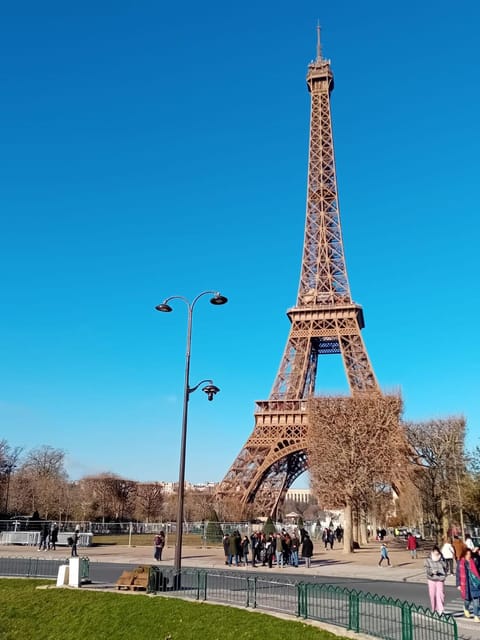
(361, 564)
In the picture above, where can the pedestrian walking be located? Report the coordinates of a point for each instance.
(468, 582)
(436, 570)
(448, 553)
(307, 550)
(295, 543)
(469, 542)
(44, 533)
(158, 545)
(226, 547)
(234, 548)
(330, 538)
(412, 545)
(325, 537)
(245, 549)
(303, 534)
(74, 539)
(53, 538)
(384, 555)
(262, 549)
(254, 542)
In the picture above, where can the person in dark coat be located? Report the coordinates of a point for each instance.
(52, 543)
(262, 549)
(234, 548)
(307, 550)
(295, 543)
(330, 538)
(245, 549)
(226, 547)
(325, 537)
(75, 538)
(44, 532)
(468, 582)
(158, 545)
(254, 543)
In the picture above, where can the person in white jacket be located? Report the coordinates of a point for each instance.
(448, 553)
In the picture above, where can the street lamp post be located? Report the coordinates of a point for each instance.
(210, 389)
(8, 470)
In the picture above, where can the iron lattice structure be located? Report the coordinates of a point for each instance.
(325, 321)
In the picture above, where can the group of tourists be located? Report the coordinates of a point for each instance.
(48, 537)
(281, 548)
(439, 565)
(329, 536)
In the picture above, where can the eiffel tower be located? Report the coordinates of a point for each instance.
(325, 321)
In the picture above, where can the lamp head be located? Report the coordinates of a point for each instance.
(166, 308)
(218, 299)
(211, 390)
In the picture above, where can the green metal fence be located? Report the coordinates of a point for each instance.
(30, 567)
(84, 569)
(357, 611)
(34, 567)
(375, 615)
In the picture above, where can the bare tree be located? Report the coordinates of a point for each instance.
(9, 458)
(471, 487)
(198, 504)
(46, 461)
(111, 497)
(356, 443)
(123, 494)
(149, 501)
(40, 481)
(408, 507)
(439, 457)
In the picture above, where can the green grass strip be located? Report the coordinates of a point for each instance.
(27, 612)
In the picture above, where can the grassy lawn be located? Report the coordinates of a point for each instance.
(27, 612)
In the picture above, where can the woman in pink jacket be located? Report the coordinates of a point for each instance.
(436, 569)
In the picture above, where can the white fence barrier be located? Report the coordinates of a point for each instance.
(32, 538)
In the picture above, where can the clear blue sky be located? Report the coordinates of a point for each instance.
(152, 149)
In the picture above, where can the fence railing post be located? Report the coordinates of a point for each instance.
(407, 628)
(204, 585)
(31, 570)
(353, 611)
(251, 592)
(197, 584)
(302, 600)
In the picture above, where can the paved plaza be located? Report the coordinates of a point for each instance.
(361, 564)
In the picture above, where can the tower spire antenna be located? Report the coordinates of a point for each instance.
(319, 43)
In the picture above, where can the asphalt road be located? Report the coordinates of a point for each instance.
(108, 573)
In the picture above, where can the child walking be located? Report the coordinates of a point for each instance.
(384, 555)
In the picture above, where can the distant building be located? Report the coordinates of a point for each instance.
(300, 495)
(169, 487)
(172, 487)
